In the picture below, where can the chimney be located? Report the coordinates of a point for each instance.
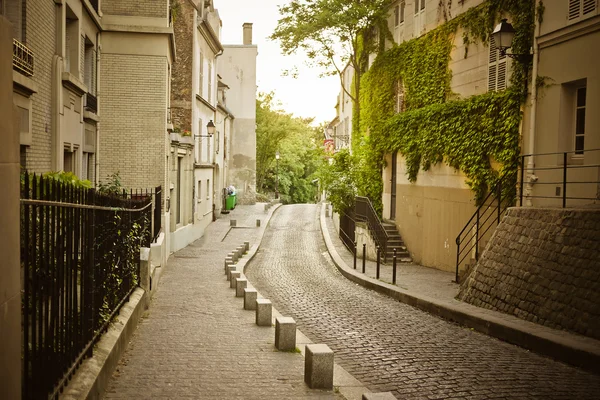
(247, 33)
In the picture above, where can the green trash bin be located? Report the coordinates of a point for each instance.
(230, 202)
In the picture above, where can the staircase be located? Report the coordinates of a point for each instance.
(395, 241)
(385, 234)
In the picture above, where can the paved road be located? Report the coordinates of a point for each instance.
(390, 346)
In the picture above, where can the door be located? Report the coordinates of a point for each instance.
(393, 184)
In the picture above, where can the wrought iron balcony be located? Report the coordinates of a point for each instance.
(91, 103)
(22, 58)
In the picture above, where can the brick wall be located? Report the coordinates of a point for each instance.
(140, 8)
(133, 131)
(181, 82)
(40, 38)
(542, 265)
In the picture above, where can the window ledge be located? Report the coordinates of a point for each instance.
(73, 83)
(24, 84)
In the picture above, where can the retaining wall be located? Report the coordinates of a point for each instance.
(542, 265)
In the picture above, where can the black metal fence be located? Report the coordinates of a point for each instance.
(365, 212)
(565, 179)
(347, 230)
(79, 264)
(156, 194)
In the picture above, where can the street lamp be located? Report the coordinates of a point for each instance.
(503, 36)
(277, 173)
(210, 129)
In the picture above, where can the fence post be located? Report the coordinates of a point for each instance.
(364, 256)
(355, 250)
(521, 183)
(394, 268)
(477, 237)
(378, 261)
(564, 202)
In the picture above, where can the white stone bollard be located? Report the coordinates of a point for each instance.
(240, 285)
(264, 310)
(378, 396)
(318, 366)
(250, 299)
(234, 276)
(285, 333)
(232, 222)
(247, 246)
(232, 268)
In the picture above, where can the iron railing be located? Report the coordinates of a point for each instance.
(91, 103)
(483, 221)
(366, 213)
(347, 230)
(564, 179)
(80, 262)
(156, 194)
(22, 58)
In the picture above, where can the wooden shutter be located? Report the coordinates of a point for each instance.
(497, 69)
(574, 9)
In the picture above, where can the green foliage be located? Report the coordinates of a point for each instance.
(68, 178)
(337, 179)
(299, 146)
(468, 133)
(112, 185)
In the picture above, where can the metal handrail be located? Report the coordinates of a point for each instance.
(373, 222)
(22, 58)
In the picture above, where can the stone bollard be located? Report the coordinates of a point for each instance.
(318, 366)
(285, 333)
(264, 310)
(240, 285)
(247, 245)
(267, 206)
(233, 256)
(234, 276)
(240, 251)
(326, 211)
(378, 396)
(233, 222)
(258, 223)
(250, 299)
(145, 269)
(232, 268)
(228, 263)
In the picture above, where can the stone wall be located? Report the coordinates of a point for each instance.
(542, 265)
(181, 81)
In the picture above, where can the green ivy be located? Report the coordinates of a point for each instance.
(434, 127)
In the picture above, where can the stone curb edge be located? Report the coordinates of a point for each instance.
(92, 377)
(568, 350)
(349, 387)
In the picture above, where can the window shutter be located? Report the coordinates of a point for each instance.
(574, 9)
(501, 78)
(589, 6)
(497, 69)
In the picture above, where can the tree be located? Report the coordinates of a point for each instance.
(333, 34)
(299, 146)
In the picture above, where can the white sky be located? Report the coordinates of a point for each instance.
(306, 96)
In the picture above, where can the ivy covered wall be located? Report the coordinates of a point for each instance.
(433, 127)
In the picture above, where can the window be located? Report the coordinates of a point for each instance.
(580, 8)
(217, 142)
(88, 167)
(179, 166)
(497, 69)
(68, 160)
(208, 189)
(198, 148)
(209, 81)
(23, 157)
(419, 17)
(399, 13)
(199, 191)
(399, 96)
(89, 69)
(201, 75)
(72, 46)
(580, 119)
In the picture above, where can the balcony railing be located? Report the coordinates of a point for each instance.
(22, 58)
(91, 103)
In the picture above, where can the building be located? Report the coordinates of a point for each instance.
(560, 118)
(342, 123)
(237, 67)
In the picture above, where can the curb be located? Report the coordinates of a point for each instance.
(91, 379)
(563, 346)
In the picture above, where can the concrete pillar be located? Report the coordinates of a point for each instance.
(240, 285)
(232, 268)
(232, 222)
(234, 276)
(258, 223)
(145, 268)
(285, 333)
(10, 269)
(264, 312)
(247, 246)
(378, 396)
(318, 366)
(250, 299)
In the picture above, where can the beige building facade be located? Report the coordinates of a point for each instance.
(564, 123)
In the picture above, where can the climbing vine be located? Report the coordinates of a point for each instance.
(478, 135)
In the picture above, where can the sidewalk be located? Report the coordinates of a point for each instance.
(433, 291)
(197, 341)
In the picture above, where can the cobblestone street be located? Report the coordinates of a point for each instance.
(390, 346)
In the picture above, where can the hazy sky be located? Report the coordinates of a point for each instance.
(306, 96)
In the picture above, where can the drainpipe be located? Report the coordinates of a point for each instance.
(98, 123)
(531, 177)
(56, 153)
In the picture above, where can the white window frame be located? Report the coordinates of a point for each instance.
(400, 106)
(200, 74)
(210, 81)
(419, 17)
(576, 108)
